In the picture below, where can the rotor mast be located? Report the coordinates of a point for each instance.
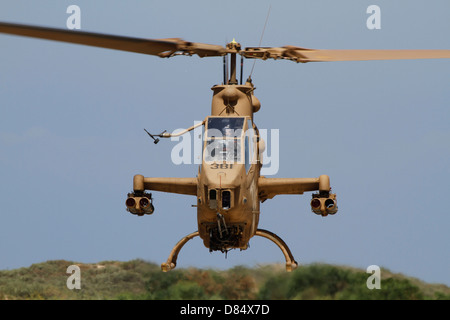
(233, 48)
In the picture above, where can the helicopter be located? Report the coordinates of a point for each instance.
(229, 187)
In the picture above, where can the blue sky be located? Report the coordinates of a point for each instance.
(72, 119)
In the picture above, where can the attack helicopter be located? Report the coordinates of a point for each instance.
(228, 187)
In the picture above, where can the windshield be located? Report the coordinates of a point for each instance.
(223, 142)
(225, 126)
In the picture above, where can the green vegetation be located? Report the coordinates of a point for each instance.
(138, 279)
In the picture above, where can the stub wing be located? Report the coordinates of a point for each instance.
(270, 187)
(186, 186)
(140, 202)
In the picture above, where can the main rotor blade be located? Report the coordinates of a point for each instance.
(159, 47)
(303, 55)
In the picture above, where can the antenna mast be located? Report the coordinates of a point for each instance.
(260, 41)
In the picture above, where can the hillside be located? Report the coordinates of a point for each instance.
(138, 279)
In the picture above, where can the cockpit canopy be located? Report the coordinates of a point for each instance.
(224, 137)
(226, 126)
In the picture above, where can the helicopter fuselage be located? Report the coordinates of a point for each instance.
(227, 189)
(227, 195)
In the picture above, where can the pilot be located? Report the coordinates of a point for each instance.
(229, 132)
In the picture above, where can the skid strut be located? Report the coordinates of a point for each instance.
(171, 262)
(291, 264)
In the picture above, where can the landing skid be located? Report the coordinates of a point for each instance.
(171, 262)
(291, 264)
